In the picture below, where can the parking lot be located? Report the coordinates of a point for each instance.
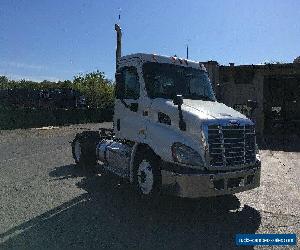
(48, 202)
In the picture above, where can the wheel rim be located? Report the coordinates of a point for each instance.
(77, 150)
(145, 177)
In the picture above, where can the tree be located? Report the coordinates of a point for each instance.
(98, 90)
(4, 82)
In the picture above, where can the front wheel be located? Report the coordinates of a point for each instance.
(147, 176)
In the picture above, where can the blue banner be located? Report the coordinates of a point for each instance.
(265, 239)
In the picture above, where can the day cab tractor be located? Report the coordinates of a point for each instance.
(170, 134)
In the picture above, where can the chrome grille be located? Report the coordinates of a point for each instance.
(231, 146)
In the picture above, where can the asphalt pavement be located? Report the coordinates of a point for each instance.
(47, 202)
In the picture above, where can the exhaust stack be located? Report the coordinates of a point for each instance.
(119, 43)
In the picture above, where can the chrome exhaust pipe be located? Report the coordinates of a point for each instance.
(119, 43)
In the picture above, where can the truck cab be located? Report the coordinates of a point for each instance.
(170, 135)
(214, 137)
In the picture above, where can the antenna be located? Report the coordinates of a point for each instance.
(119, 15)
(187, 51)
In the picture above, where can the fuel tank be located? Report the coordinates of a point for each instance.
(115, 154)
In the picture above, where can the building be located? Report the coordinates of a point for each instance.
(275, 88)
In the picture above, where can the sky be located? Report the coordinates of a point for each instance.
(55, 40)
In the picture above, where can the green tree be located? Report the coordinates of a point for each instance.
(4, 82)
(98, 90)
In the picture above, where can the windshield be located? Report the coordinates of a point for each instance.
(167, 80)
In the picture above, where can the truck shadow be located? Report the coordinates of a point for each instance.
(110, 215)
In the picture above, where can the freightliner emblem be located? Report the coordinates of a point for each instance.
(234, 123)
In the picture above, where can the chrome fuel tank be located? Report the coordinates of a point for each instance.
(116, 156)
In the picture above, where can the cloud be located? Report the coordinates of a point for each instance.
(33, 72)
(23, 65)
(14, 70)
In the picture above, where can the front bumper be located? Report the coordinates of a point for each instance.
(184, 182)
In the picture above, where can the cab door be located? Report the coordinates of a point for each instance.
(127, 118)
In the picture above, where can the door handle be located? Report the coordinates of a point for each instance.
(134, 106)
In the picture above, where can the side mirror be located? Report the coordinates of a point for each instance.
(178, 100)
(252, 104)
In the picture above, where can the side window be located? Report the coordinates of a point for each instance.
(131, 82)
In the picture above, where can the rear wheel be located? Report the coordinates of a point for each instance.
(84, 149)
(147, 176)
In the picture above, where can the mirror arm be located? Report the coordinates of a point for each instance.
(179, 101)
(124, 103)
(182, 124)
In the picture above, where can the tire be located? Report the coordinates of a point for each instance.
(84, 149)
(147, 176)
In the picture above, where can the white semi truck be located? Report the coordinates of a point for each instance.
(170, 135)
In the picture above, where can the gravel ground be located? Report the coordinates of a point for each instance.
(48, 202)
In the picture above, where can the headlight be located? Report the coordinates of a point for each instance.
(186, 155)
